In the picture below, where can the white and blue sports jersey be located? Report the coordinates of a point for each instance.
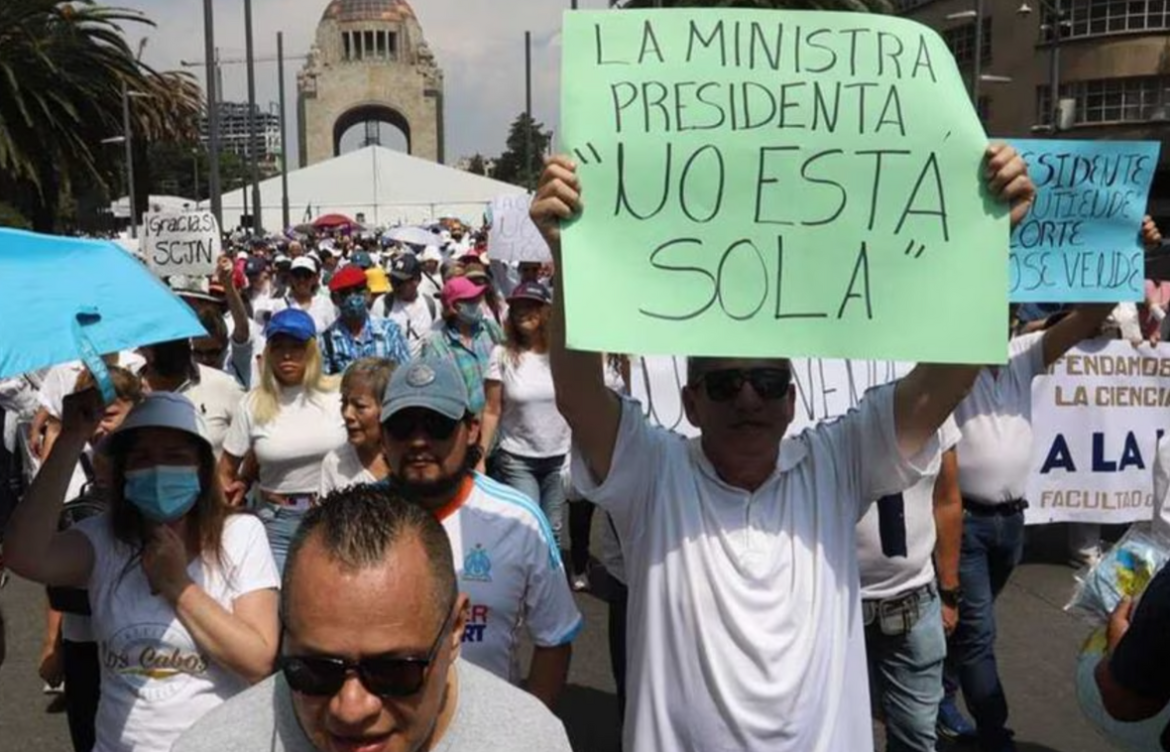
(510, 568)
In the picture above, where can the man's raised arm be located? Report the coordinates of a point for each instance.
(592, 410)
(931, 392)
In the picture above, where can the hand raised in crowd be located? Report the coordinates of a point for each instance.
(1007, 178)
(165, 562)
(225, 271)
(558, 198)
(82, 412)
(1151, 235)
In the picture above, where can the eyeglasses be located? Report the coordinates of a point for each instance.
(402, 425)
(725, 385)
(381, 675)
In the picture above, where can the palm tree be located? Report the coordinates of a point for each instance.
(871, 6)
(63, 67)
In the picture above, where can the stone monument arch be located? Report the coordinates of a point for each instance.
(370, 64)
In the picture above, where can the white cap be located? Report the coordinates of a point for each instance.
(431, 253)
(304, 262)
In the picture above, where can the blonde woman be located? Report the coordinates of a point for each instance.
(287, 425)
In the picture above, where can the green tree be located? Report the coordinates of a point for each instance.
(871, 6)
(528, 142)
(477, 165)
(63, 69)
(10, 217)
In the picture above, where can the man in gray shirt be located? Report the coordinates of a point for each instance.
(370, 660)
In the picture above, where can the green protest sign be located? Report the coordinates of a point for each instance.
(777, 183)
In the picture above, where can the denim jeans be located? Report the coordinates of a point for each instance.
(992, 547)
(538, 478)
(906, 673)
(281, 524)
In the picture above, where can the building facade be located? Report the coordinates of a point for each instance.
(1112, 63)
(233, 135)
(370, 64)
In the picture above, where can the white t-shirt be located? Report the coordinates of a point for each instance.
(509, 566)
(291, 447)
(744, 630)
(61, 381)
(432, 286)
(1161, 522)
(413, 318)
(530, 424)
(321, 308)
(216, 397)
(342, 468)
(242, 360)
(995, 453)
(155, 680)
(883, 576)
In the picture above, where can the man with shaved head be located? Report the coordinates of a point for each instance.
(373, 622)
(744, 621)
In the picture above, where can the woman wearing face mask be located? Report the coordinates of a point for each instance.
(465, 337)
(287, 424)
(361, 459)
(183, 593)
(357, 334)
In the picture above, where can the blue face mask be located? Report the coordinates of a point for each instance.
(469, 313)
(354, 306)
(163, 494)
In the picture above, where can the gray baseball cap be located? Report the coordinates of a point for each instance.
(432, 383)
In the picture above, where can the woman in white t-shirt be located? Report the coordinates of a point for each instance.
(286, 426)
(521, 410)
(183, 592)
(360, 460)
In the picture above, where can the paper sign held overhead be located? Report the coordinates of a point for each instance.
(778, 183)
(514, 236)
(1080, 243)
(185, 243)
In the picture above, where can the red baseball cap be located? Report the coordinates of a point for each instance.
(347, 277)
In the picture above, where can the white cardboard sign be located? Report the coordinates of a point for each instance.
(514, 236)
(183, 243)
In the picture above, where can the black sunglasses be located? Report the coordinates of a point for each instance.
(402, 425)
(381, 675)
(725, 385)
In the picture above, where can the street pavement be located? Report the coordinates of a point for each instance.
(1037, 649)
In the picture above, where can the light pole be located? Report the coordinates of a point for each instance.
(528, 109)
(253, 156)
(1055, 10)
(284, 209)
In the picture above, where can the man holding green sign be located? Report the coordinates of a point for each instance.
(744, 611)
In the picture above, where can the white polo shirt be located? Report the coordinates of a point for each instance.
(883, 576)
(510, 568)
(995, 453)
(216, 397)
(744, 630)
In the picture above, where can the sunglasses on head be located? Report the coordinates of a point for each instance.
(381, 675)
(725, 385)
(402, 425)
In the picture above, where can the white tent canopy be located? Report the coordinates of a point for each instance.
(387, 187)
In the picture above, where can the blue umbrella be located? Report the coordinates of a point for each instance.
(64, 299)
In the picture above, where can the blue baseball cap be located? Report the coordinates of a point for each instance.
(293, 322)
(362, 259)
(432, 383)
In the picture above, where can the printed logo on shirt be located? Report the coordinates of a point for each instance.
(153, 659)
(477, 567)
(477, 622)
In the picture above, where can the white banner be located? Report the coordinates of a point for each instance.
(186, 243)
(1096, 420)
(514, 236)
(825, 389)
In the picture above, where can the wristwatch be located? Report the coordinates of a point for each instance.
(951, 597)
